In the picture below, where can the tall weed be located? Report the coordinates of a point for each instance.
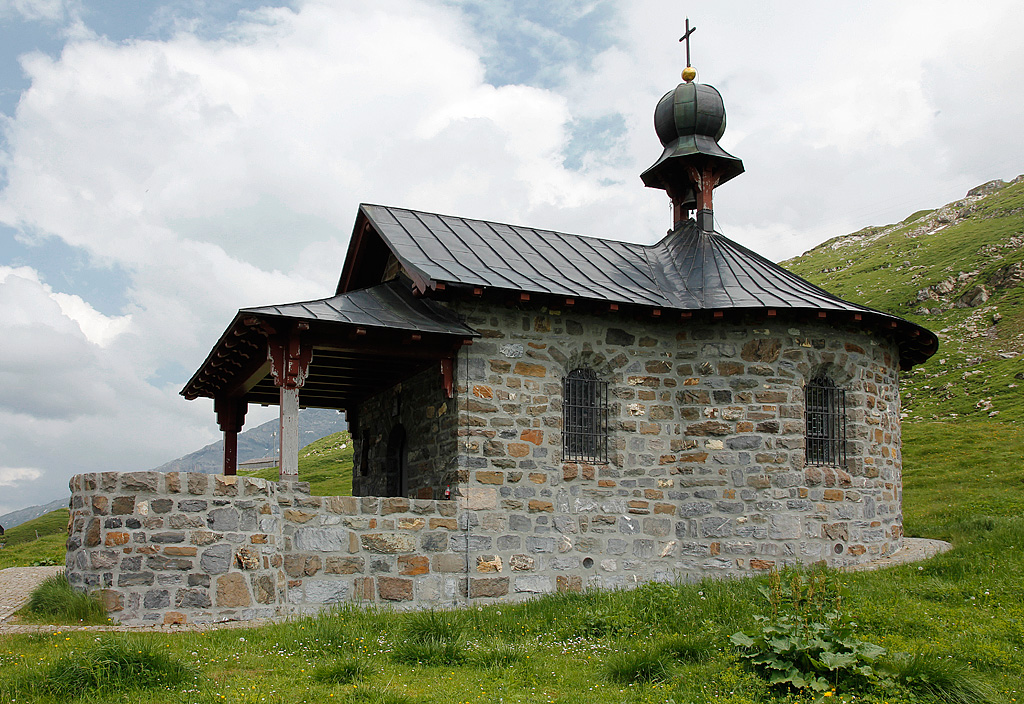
(55, 600)
(114, 665)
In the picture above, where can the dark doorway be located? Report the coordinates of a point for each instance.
(397, 483)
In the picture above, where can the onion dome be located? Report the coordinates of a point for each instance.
(689, 121)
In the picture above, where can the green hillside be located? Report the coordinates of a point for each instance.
(38, 540)
(958, 271)
(326, 464)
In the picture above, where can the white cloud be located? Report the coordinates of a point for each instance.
(35, 10)
(225, 172)
(97, 328)
(11, 476)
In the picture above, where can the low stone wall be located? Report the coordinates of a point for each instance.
(193, 548)
(176, 547)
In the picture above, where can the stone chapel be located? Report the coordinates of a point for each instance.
(532, 411)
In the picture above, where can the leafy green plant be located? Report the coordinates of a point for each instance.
(114, 665)
(56, 600)
(806, 641)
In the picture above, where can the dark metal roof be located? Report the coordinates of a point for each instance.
(688, 270)
(389, 305)
(363, 341)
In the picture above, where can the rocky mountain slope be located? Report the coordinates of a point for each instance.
(261, 441)
(958, 271)
(24, 515)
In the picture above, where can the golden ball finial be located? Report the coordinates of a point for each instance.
(689, 73)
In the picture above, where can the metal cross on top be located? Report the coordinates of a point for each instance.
(686, 38)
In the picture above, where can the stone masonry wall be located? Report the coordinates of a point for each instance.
(176, 547)
(706, 472)
(421, 406)
(706, 476)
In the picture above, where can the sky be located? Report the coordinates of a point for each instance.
(164, 163)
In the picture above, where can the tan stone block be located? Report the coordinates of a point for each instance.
(762, 564)
(394, 588)
(449, 523)
(175, 618)
(490, 477)
(856, 550)
(536, 505)
(116, 538)
(179, 550)
(569, 472)
(225, 485)
(528, 369)
(413, 564)
(569, 583)
(653, 494)
(260, 539)
(669, 509)
(538, 477)
(232, 591)
(488, 563)
(204, 537)
(481, 391)
(478, 498)
(406, 523)
(363, 588)
(394, 505)
(388, 542)
(606, 482)
(92, 535)
(264, 588)
(521, 563)
(449, 563)
(99, 504)
(296, 516)
(488, 587)
(833, 495)
(691, 381)
(346, 505)
(532, 435)
(518, 449)
(344, 565)
(112, 600)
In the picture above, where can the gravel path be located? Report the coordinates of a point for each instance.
(16, 583)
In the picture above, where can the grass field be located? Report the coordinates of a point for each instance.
(40, 539)
(957, 618)
(326, 464)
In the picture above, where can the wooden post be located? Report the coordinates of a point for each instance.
(230, 417)
(289, 366)
(288, 434)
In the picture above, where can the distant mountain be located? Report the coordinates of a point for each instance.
(23, 515)
(958, 271)
(261, 441)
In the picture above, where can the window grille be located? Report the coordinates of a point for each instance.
(584, 417)
(825, 418)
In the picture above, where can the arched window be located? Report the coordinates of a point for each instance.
(825, 422)
(584, 417)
